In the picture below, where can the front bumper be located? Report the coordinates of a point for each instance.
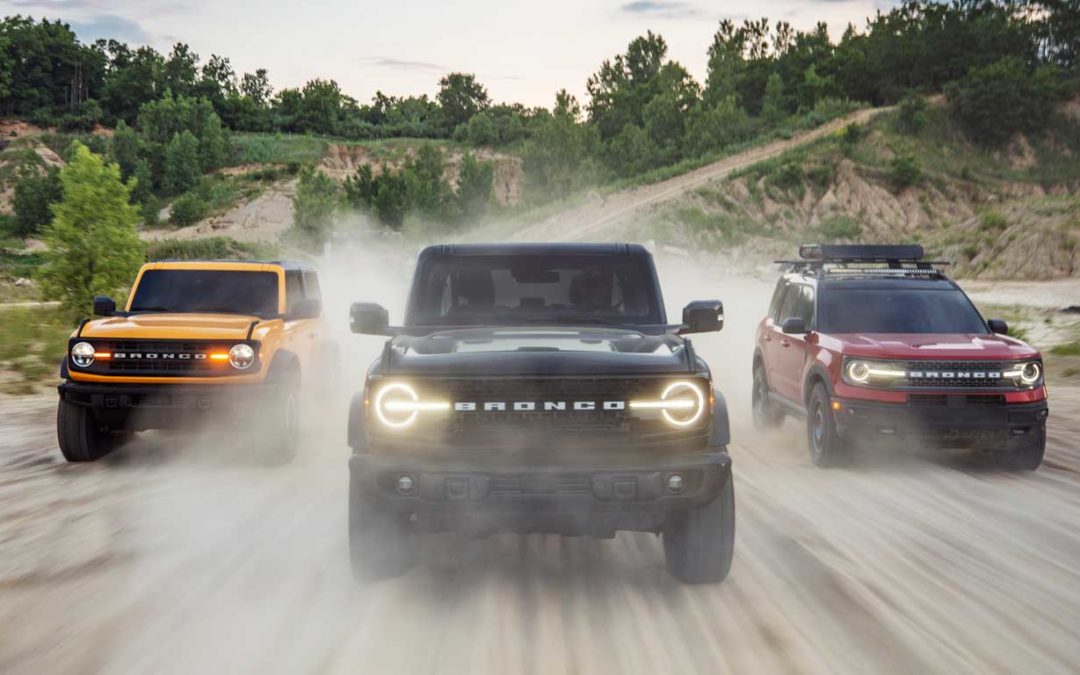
(950, 416)
(156, 406)
(594, 500)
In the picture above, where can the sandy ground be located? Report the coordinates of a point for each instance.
(264, 218)
(178, 555)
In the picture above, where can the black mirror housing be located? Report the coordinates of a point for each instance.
(998, 326)
(703, 316)
(794, 325)
(308, 308)
(368, 318)
(104, 306)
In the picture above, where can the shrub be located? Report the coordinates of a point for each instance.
(210, 248)
(35, 193)
(840, 227)
(186, 210)
(182, 169)
(996, 101)
(904, 171)
(314, 204)
(992, 221)
(911, 114)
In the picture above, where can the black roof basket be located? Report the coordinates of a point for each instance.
(865, 260)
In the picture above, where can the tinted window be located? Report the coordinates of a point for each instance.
(777, 298)
(804, 305)
(293, 289)
(898, 311)
(534, 289)
(207, 291)
(787, 307)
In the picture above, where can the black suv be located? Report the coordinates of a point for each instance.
(539, 388)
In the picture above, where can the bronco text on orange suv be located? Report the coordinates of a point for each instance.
(539, 388)
(196, 339)
(874, 342)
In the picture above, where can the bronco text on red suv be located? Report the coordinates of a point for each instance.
(874, 341)
(539, 388)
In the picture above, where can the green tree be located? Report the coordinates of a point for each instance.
(475, 180)
(187, 209)
(124, 149)
(632, 152)
(911, 114)
(143, 190)
(181, 70)
(182, 168)
(460, 97)
(772, 105)
(426, 189)
(999, 100)
(391, 197)
(314, 205)
(710, 129)
(360, 187)
(35, 192)
(93, 248)
(558, 159)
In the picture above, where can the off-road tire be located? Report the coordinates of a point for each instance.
(767, 415)
(826, 446)
(381, 543)
(282, 434)
(699, 544)
(81, 437)
(1023, 453)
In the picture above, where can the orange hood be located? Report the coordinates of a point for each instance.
(172, 327)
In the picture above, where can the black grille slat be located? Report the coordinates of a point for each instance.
(957, 368)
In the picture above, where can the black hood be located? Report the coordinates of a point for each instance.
(555, 351)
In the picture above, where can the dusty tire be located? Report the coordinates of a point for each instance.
(1024, 453)
(767, 415)
(826, 446)
(699, 544)
(81, 437)
(381, 545)
(284, 427)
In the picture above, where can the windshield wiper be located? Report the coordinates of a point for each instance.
(152, 308)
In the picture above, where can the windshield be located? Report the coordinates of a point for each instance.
(535, 289)
(862, 310)
(214, 291)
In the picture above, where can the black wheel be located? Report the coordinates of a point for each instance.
(82, 438)
(767, 415)
(698, 545)
(827, 448)
(1023, 453)
(381, 543)
(284, 426)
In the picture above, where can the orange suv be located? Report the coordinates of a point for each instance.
(196, 340)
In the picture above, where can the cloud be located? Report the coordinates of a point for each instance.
(664, 9)
(109, 26)
(401, 64)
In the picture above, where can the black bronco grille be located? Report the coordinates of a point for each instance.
(955, 374)
(164, 358)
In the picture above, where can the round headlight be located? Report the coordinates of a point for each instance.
(689, 413)
(1030, 372)
(396, 393)
(82, 354)
(858, 371)
(241, 356)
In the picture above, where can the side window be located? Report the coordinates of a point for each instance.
(777, 297)
(311, 285)
(293, 289)
(787, 307)
(804, 307)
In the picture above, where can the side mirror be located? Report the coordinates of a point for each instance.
(368, 318)
(104, 306)
(702, 316)
(794, 325)
(308, 308)
(998, 326)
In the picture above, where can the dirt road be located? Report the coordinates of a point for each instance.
(172, 556)
(602, 214)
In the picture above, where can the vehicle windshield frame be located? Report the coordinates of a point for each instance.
(971, 323)
(150, 279)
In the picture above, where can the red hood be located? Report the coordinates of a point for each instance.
(922, 346)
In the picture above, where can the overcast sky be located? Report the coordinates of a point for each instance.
(521, 51)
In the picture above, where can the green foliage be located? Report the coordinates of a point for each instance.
(631, 152)
(474, 186)
(187, 209)
(32, 342)
(994, 102)
(712, 128)
(314, 205)
(772, 104)
(278, 149)
(182, 163)
(208, 248)
(391, 197)
(905, 171)
(460, 97)
(124, 149)
(558, 158)
(992, 221)
(35, 193)
(840, 227)
(93, 246)
(911, 114)
(1066, 349)
(150, 210)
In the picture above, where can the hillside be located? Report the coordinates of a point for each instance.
(1011, 213)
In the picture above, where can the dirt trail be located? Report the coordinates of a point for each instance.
(182, 557)
(265, 218)
(601, 215)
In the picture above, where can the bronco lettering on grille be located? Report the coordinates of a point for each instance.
(537, 406)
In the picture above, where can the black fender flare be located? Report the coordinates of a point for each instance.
(284, 365)
(720, 433)
(357, 434)
(816, 372)
(64, 374)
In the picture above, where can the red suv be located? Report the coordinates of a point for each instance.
(868, 342)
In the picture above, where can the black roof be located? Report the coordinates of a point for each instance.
(848, 262)
(553, 248)
(284, 264)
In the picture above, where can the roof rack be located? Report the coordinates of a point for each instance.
(865, 260)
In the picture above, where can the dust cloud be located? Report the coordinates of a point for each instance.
(177, 555)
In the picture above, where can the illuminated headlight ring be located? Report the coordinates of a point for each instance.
(82, 354)
(1028, 373)
(397, 405)
(683, 416)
